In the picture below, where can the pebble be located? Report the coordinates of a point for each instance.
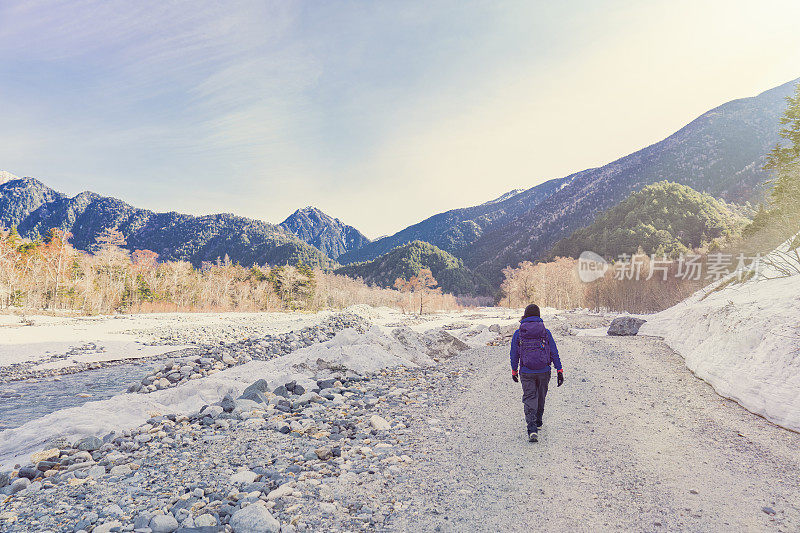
(19, 484)
(280, 492)
(96, 471)
(107, 527)
(44, 455)
(379, 423)
(120, 470)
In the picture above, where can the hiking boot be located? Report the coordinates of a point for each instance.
(533, 437)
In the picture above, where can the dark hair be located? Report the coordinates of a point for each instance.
(531, 310)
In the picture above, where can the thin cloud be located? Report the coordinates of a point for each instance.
(258, 108)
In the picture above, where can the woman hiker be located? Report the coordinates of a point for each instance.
(532, 351)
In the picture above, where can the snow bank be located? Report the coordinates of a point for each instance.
(744, 340)
(347, 351)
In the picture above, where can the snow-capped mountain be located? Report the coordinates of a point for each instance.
(505, 196)
(6, 176)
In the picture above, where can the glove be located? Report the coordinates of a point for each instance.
(560, 379)
(514, 376)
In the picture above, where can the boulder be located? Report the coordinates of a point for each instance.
(254, 518)
(29, 472)
(89, 444)
(19, 484)
(440, 343)
(44, 455)
(259, 386)
(163, 523)
(625, 326)
(227, 404)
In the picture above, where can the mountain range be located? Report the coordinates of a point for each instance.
(721, 153)
(454, 230)
(34, 208)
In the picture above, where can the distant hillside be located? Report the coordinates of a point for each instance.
(34, 209)
(722, 153)
(329, 235)
(453, 230)
(663, 218)
(407, 260)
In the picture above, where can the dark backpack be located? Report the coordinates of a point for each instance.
(534, 348)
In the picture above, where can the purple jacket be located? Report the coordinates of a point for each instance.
(515, 364)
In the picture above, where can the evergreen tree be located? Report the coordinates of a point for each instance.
(784, 159)
(14, 239)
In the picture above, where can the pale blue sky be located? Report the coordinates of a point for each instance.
(379, 112)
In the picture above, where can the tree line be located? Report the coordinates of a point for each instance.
(50, 274)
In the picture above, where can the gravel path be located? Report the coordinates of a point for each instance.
(632, 441)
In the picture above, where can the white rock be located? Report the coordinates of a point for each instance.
(255, 423)
(205, 520)
(163, 523)
(243, 476)
(254, 518)
(116, 457)
(97, 471)
(280, 492)
(120, 470)
(78, 466)
(19, 484)
(82, 457)
(105, 528)
(114, 510)
(379, 423)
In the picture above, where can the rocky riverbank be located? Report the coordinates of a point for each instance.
(280, 460)
(207, 354)
(210, 359)
(305, 455)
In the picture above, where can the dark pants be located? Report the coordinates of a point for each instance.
(534, 390)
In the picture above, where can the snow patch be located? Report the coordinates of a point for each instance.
(744, 340)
